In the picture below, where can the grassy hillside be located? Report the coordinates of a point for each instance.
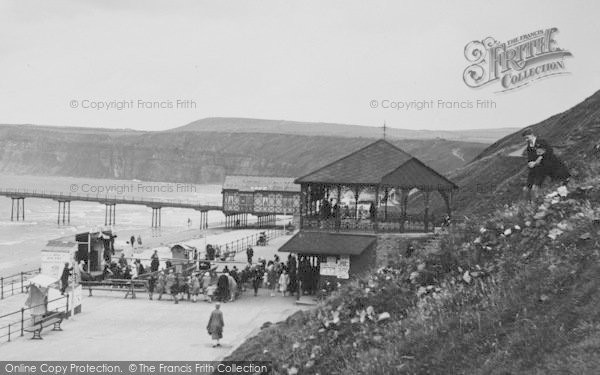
(515, 291)
(249, 125)
(498, 174)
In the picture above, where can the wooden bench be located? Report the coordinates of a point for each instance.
(115, 285)
(54, 318)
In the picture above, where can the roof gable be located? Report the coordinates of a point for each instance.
(415, 174)
(367, 165)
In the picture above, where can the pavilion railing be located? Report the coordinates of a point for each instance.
(411, 224)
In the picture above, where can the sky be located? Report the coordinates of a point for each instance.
(156, 65)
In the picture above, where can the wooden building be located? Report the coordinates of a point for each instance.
(333, 256)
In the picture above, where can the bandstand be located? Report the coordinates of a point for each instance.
(379, 170)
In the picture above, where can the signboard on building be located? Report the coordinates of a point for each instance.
(339, 268)
(53, 262)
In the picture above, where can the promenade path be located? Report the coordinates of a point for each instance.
(112, 328)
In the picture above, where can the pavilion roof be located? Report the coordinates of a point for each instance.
(379, 163)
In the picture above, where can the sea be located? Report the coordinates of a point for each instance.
(21, 241)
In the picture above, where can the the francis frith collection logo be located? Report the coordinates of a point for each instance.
(515, 63)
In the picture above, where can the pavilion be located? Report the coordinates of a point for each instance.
(380, 169)
(263, 197)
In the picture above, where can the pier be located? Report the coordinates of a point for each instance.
(18, 196)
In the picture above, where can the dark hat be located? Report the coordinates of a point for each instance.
(527, 132)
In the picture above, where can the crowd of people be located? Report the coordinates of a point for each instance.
(203, 283)
(274, 275)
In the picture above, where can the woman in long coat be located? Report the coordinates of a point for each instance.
(215, 325)
(222, 292)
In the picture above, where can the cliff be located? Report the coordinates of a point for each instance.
(192, 156)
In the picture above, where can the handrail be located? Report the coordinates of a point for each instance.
(21, 322)
(21, 279)
(124, 199)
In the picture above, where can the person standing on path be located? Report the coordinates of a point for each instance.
(64, 278)
(215, 325)
(132, 241)
(249, 254)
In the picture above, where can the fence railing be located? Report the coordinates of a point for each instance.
(17, 321)
(240, 245)
(411, 224)
(16, 284)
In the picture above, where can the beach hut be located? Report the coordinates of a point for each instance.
(181, 254)
(56, 253)
(95, 249)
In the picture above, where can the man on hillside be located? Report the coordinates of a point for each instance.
(541, 162)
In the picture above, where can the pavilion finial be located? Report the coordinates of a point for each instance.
(384, 129)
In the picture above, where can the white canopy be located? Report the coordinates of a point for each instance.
(43, 280)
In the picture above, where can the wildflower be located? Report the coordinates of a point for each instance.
(292, 371)
(370, 312)
(362, 315)
(562, 191)
(564, 226)
(383, 316)
(296, 345)
(508, 232)
(554, 233)
(466, 277)
(336, 317)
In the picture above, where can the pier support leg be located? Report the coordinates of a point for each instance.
(20, 209)
(203, 219)
(109, 214)
(156, 217)
(64, 212)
